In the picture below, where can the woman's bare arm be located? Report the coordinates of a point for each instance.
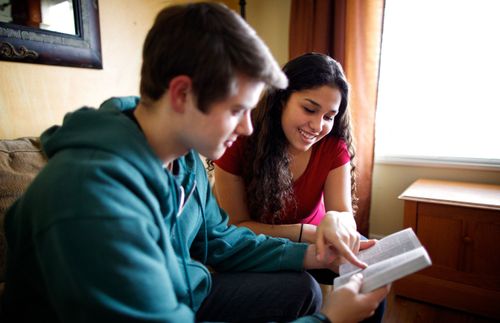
(230, 192)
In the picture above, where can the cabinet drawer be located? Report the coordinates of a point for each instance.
(461, 243)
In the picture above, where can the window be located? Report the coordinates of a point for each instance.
(439, 86)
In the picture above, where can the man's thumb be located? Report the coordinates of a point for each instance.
(355, 282)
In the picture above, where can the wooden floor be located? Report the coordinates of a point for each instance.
(405, 310)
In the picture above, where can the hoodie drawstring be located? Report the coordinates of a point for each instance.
(183, 247)
(205, 232)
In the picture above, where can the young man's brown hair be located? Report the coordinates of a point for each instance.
(208, 43)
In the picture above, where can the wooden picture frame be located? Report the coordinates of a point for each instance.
(32, 45)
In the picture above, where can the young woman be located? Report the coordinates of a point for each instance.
(294, 176)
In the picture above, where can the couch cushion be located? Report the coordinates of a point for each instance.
(20, 160)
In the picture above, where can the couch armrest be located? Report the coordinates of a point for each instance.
(20, 160)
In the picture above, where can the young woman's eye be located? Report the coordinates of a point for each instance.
(329, 118)
(308, 110)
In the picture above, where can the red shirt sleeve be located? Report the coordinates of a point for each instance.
(232, 160)
(341, 155)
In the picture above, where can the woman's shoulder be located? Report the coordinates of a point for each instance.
(331, 144)
(333, 150)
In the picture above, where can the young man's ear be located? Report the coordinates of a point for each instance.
(179, 89)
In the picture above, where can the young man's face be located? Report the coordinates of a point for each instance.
(217, 129)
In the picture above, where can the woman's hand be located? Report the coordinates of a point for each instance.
(331, 260)
(337, 233)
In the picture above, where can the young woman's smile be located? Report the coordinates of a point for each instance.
(309, 138)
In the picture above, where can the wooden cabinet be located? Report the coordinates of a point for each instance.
(459, 225)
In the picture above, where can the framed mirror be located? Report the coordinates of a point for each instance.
(54, 32)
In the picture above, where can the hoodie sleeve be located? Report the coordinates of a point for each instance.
(231, 248)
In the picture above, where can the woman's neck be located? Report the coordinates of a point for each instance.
(299, 162)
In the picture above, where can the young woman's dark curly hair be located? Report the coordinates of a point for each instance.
(268, 180)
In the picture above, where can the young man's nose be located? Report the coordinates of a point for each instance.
(245, 127)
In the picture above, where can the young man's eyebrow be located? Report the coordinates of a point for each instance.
(240, 107)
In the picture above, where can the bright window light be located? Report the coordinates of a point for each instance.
(58, 16)
(439, 87)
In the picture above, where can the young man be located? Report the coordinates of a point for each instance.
(121, 223)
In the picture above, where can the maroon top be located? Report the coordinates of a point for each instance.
(329, 153)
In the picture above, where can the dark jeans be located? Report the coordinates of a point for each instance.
(260, 297)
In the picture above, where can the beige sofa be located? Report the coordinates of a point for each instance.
(20, 160)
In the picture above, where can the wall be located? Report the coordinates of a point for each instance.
(271, 21)
(34, 97)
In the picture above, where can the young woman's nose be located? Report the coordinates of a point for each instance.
(316, 124)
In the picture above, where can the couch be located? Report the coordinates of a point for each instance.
(20, 160)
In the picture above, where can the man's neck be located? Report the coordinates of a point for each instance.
(159, 126)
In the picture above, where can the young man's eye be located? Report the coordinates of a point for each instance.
(237, 112)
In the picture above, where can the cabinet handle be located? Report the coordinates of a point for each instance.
(467, 240)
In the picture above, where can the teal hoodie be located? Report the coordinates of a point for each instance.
(104, 233)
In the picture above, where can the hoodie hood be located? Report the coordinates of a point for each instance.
(109, 127)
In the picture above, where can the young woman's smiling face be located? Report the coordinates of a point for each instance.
(309, 116)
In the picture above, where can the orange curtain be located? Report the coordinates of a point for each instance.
(349, 31)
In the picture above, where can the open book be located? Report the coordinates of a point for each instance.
(391, 258)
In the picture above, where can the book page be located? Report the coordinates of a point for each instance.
(385, 248)
(389, 270)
